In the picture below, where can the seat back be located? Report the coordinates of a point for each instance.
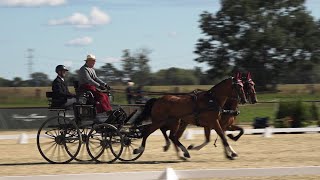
(49, 96)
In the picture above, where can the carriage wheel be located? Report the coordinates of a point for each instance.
(129, 144)
(105, 143)
(59, 140)
(83, 153)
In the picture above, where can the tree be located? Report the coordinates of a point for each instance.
(17, 82)
(109, 73)
(135, 67)
(175, 76)
(267, 38)
(4, 82)
(128, 64)
(39, 79)
(141, 74)
(71, 78)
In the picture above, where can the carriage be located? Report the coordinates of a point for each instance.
(81, 137)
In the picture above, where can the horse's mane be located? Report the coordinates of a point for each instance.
(217, 85)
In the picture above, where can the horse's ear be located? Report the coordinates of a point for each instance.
(248, 75)
(238, 75)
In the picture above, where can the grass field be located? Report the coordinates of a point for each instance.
(35, 97)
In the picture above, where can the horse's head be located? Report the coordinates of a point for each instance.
(237, 89)
(248, 86)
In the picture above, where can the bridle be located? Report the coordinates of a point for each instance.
(237, 89)
(247, 84)
(236, 92)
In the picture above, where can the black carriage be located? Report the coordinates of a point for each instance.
(81, 137)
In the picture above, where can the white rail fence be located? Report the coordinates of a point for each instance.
(266, 132)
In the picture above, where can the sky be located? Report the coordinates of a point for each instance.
(64, 31)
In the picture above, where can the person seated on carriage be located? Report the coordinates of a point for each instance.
(61, 95)
(88, 80)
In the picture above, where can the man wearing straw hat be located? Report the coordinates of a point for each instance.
(89, 80)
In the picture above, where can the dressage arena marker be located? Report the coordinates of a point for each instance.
(23, 139)
(170, 174)
(267, 132)
(188, 135)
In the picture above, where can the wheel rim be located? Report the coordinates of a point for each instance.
(83, 154)
(58, 140)
(105, 143)
(129, 144)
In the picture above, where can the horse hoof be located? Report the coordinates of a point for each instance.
(231, 136)
(165, 148)
(190, 147)
(230, 157)
(182, 158)
(234, 155)
(187, 155)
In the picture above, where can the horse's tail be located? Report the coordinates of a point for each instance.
(146, 113)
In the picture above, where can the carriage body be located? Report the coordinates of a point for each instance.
(61, 139)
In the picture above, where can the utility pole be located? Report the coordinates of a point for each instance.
(30, 61)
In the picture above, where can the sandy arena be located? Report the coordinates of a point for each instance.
(281, 150)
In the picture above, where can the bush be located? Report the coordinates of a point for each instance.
(295, 114)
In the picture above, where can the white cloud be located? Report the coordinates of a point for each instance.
(32, 3)
(96, 17)
(82, 41)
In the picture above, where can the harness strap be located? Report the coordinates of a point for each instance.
(230, 112)
(196, 111)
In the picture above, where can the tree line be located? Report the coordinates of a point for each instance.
(278, 41)
(134, 66)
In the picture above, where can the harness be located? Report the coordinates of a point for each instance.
(212, 105)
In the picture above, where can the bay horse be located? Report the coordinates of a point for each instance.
(226, 121)
(170, 110)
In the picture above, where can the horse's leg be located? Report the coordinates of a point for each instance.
(175, 135)
(207, 135)
(177, 143)
(229, 152)
(235, 128)
(166, 147)
(151, 128)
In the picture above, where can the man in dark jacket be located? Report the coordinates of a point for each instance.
(61, 95)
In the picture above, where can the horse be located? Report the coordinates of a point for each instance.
(228, 117)
(204, 109)
(227, 120)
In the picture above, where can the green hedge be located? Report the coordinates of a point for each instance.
(295, 114)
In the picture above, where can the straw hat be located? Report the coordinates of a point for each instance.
(91, 57)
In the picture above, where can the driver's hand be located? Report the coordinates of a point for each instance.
(107, 87)
(102, 87)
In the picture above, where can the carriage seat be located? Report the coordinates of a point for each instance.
(80, 92)
(49, 96)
